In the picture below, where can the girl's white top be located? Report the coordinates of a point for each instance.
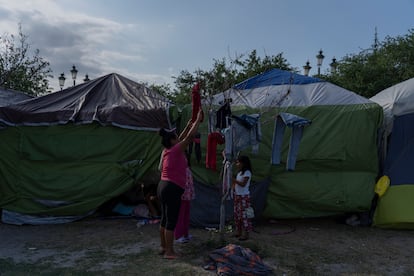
(239, 190)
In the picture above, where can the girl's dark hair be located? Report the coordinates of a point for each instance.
(245, 161)
(167, 136)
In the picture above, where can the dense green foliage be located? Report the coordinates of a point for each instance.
(375, 69)
(19, 70)
(225, 74)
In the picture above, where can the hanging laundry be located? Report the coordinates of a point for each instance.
(222, 115)
(246, 132)
(297, 124)
(197, 147)
(247, 121)
(196, 102)
(195, 143)
(211, 121)
(226, 190)
(229, 153)
(213, 139)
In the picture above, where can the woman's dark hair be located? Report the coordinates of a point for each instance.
(167, 136)
(245, 161)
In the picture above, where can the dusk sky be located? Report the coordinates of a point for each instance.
(152, 40)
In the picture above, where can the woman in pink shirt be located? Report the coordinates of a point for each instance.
(173, 180)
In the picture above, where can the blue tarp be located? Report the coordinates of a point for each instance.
(275, 77)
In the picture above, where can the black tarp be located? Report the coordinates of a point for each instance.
(8, 96)
(109, 100)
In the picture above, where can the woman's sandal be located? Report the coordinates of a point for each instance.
(170, 257)
(243, 238)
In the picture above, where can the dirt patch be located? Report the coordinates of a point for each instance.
(117, 246)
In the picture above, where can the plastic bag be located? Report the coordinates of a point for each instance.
(250, 212)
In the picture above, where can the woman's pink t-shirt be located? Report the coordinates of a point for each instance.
(174, 166)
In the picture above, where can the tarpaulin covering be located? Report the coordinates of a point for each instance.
(66, 153)
(396, 100)
(108, 100)
(8, 96)
(337, 159)
(394, 209)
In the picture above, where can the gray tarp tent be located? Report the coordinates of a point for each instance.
(9, 96)
(108, 100)
(66, 153)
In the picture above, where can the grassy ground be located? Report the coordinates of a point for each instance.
(118, 247)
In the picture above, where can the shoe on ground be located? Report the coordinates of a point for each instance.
(181, 240)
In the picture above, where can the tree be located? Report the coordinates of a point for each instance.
(254, 65)
(18, 69)
(375, 69)
(225, 74)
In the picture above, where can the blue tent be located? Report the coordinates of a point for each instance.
(275, 77)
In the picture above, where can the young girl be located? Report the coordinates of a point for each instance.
(240, 187)
(181, 232)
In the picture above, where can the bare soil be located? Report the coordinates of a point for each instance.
(117, 246)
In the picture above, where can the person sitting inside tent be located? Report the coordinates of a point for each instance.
(139, 201)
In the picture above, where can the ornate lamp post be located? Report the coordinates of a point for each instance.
(319, 59)
(74, 72)
(333, 65)
(306, 68)
(62, 81)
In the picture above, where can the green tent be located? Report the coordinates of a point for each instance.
(336, 163)
(66, 153)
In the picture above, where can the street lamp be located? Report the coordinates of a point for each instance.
(62, 81)
(319, 59)
(306, 68)
(74, 72)
(333, 65)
